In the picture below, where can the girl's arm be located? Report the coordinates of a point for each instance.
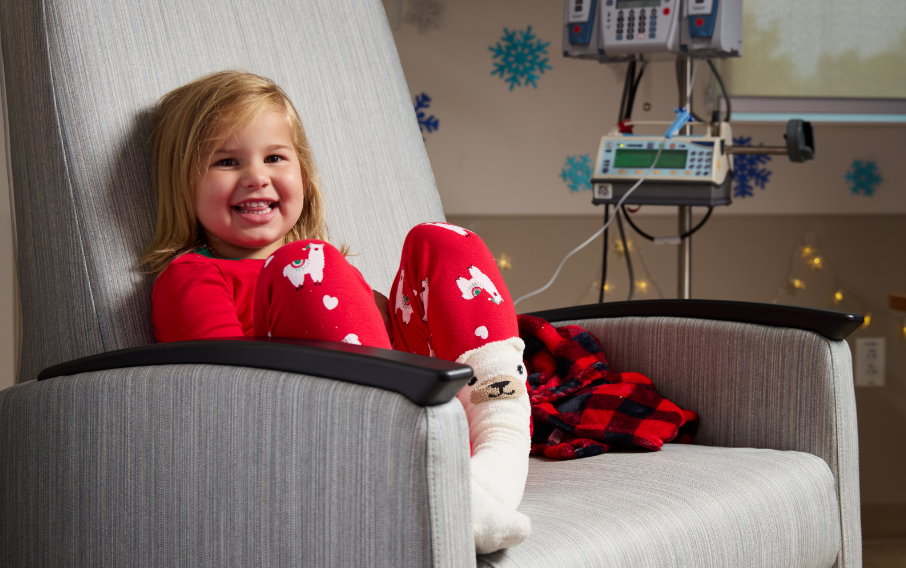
(194, 301)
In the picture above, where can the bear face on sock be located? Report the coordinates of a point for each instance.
(499, 387)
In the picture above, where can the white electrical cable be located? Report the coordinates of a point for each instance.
(602, 229)
(619, 204)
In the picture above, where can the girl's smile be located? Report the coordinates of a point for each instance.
(252, 192)
(257, 211)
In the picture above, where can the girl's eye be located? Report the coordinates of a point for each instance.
(273, 159)
(226, 162)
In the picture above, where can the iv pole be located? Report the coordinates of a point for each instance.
(684, 269)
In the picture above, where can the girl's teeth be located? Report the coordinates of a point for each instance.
(246, 207)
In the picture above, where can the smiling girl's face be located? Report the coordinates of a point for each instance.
(252, 192)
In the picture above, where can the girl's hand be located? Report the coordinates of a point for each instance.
(383, 306)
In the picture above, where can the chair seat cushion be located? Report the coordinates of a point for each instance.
(685, 505)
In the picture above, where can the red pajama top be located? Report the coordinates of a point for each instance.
(199, 297)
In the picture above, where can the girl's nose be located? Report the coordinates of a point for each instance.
(255, 176)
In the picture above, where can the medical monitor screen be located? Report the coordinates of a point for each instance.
(670, 159)
(637, 3)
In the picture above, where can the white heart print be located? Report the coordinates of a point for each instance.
(481, 332)
(330, 302)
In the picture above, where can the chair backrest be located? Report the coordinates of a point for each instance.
(81, 78)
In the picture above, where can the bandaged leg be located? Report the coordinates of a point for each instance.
(497, 407)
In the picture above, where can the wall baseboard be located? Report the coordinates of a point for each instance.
(883, 521)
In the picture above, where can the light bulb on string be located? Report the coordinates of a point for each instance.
(504, 262)
(867, 321)
(806, 251)
(642, 286)
(816, 263)
(838, 297)
(608, 287)
(796, 284)
(618, 247)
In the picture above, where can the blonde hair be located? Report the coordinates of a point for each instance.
(189, 124)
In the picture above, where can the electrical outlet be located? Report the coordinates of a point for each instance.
(870, 358)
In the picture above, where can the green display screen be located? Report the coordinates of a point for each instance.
(637, 3)
(670, 159)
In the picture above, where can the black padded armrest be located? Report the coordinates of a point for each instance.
(830, 324)
(423, 380)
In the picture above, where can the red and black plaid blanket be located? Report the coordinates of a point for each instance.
(580, 408)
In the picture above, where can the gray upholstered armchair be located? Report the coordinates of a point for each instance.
(245, 453)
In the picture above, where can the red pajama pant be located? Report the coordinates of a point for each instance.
(447, 298)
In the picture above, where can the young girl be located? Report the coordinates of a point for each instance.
(241, 249)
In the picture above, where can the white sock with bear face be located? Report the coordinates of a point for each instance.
(498, 410)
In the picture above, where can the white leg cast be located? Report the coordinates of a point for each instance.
(498, 410)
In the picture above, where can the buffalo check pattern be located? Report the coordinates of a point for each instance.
(580, 408)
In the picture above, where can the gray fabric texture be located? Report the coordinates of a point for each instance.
(81, 79)
(222, 466)
(681, 506)
(754, 386)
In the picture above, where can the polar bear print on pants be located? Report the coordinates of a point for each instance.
(479, 281)
(402, 300)
(313, 266)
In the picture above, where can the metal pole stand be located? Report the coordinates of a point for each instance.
(684, 268)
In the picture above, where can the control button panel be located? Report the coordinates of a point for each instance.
(631, 28)
(679, 160)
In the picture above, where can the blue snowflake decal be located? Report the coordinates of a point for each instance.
(520, 58)
(863, 178)
(577, 172)
(748, 172)
(425, 122)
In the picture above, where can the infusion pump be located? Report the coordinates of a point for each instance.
(618, 30)
(691, 170)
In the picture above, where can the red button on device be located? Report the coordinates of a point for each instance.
(666, 11)
(577, 29)
(700, 22)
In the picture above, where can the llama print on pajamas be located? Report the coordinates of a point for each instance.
(402, 300)
(473, 288)
(313, 266)
(424, 297)
(449, 227)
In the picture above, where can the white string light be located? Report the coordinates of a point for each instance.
(809, 254)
